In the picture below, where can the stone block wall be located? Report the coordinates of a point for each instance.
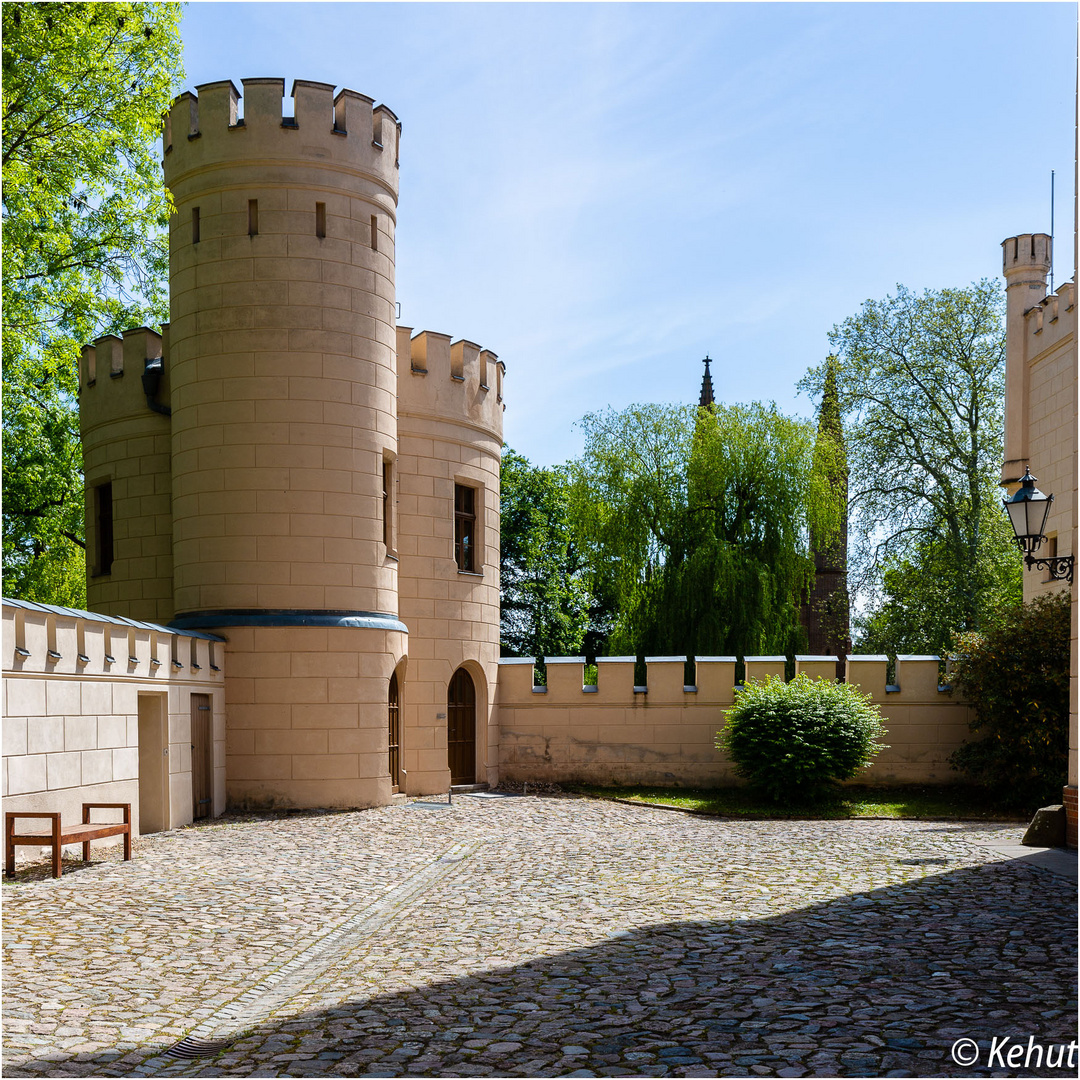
(83, 694)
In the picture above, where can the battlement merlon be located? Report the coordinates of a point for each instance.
(205, 128)
(110, 358)
(457, 379)
(437, 353)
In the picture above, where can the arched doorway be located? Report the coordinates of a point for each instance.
(394, 710)
(461, 728)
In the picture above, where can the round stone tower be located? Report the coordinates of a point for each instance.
(284, 429)
(124, 425)
(450, 417)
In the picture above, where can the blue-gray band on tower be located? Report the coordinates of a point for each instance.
(364, 620)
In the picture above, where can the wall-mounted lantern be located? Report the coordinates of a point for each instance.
(1028, 510)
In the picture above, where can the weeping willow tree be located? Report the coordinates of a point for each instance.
(696, 522)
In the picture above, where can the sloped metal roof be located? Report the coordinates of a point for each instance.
(116, 620)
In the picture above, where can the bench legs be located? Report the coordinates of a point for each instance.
(57, 847)
(55, 836)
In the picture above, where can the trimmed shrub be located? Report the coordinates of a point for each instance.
(794, 740)
(1015, 674)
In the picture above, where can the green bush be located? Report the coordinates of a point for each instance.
(793, 740)
(1015, 674)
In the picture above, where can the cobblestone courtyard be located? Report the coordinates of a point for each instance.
(540, 937)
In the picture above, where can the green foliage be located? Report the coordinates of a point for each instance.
(1015, 673)
(919, 604)
(831, 610)
(793, 740)
(695, 522)
(921, 380)
(545, 603)
(85, 249)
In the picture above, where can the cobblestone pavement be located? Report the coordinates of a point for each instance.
(541, 937)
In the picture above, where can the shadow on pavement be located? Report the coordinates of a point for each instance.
(875, 984)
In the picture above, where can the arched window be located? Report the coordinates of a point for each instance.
(394, 711)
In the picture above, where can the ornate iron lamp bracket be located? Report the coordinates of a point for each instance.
(1060, 567)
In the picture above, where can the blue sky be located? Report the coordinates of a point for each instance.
(602, 193)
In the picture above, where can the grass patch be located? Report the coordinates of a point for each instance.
(954, 802)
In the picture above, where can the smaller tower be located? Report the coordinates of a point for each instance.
(706, 398)
(124, 420)
(1025, 265)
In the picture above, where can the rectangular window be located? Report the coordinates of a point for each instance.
(194, 224)
(374, 233)
(1050, 553)
(253, 217)
(465, 528)
(103, 516)
(320, 220)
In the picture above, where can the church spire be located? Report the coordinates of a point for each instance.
(706, 386)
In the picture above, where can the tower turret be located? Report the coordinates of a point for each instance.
(282, 364)
(124, 425)
(450, 429)
(1026, 265)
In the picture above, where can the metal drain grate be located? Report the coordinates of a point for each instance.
(196, 1048)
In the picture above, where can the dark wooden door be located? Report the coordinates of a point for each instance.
(202, 756)
(461, 728)
(395, 734)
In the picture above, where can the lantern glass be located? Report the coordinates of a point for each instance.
(1028, 510)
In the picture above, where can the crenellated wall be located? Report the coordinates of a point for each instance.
(664, 733)
(450, 414)
(99, 709)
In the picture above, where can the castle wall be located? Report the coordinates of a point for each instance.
(1050, 329)
(449, 434)
(1041, 414)
(126, 446)
(615, 734)
(79, 692)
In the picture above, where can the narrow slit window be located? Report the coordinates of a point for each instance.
(320, 220)
(103, 513)
(387, 488)
(374, 233)
(465, 528)
(194, 224)
(253, 217)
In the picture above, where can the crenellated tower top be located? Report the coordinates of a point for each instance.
(346, 130)
(1026, 258)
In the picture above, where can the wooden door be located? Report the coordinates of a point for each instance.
(461, 728)
(394, 710)
(202, 757)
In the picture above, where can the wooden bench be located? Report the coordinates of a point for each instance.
(59, 835)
